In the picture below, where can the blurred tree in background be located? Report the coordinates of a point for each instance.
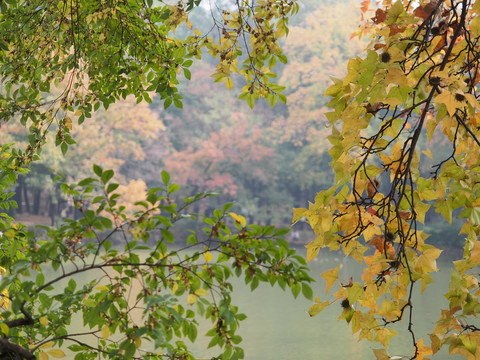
(214, 143)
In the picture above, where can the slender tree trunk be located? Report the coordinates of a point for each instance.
(18, 198)
(36, 201)
(25, 196)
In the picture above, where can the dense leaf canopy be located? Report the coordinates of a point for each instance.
(61, 60)
(417, 79)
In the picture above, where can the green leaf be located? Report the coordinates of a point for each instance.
(307, 291)
(107, 175)
(250, 101)
(97, 170)
(178, 103)
(165, 177)
(283, 59)
(172, 188)
(296, 288)
(167, 103)
(112, 187)
(64, 148)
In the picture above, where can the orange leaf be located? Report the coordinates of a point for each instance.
(379, 242)
(372, 187)
(394, 29)
(440, 44)
(391, 251)
(364, 5)
(405, 215)
(425, 11)
(475, 254)
(422, 350)
(380, 16)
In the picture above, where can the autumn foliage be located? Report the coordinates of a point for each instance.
(418, 78)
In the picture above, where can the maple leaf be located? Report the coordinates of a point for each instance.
(381, 354)
(425, 11)
(316, 308)
(331, 276)
(426, 262)
(380, 16)
(422, 350)
(312, 249)
(384, 336)
(475, 254)
(364, 5)
(449, 100)
(379, 243)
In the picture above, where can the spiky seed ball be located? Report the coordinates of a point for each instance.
(385, 57)
(434, 81)
(345, 303)
(459, 97)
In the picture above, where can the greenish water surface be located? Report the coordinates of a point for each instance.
(278, 326)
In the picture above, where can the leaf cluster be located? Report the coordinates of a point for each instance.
(418, 79)
(92, 53)
(137, 294)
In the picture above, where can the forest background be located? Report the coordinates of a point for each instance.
(267, 160)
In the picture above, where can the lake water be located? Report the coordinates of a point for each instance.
(278, 326)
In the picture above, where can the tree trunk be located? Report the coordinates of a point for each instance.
(36, 202)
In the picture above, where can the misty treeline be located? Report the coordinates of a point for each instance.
(265, 160)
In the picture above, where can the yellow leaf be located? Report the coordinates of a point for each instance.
(207, 256)
(5, 299)
(4, 328)
(396, 76)
(68, 123)
(381, 354)
(191, 299)
(470, 341)
(3, 271)
(138, 342)
(47, 345)
(174, 288)
(43, 320)
(313, 248)
(101, 288)
(426, 262)
(428, 153)
(201, 292)
(371, 231)
(298, 213)
(425, 280)
(423, 350)
(238, 218)
(331, 276)
(315, 309)
(384, 335)
(42, 356)
(56, 353)
(105, 332)
(448, 99)
(229, 83)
